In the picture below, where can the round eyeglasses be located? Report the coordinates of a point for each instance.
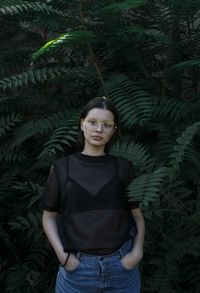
(92, 124)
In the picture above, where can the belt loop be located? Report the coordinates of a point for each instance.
(121, 252)
(78, 255)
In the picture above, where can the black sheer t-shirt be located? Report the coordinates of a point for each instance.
(89, 194)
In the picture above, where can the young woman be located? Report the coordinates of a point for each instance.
(95, 231)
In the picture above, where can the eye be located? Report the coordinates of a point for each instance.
(92, 121)
(108, 124)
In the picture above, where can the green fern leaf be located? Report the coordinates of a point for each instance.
(61, 137)
(124, 5)
(6, 123)
(33, 76)
(76, 38)
(170, 108)
(22, 7)
(183, 143)
(186, 64)
(147, 187)
(133, 152)
(134, 104)
(141, 33)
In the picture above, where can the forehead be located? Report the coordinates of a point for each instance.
(100, 114)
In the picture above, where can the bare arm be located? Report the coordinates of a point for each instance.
(139, 219)
(49, 221)
(135, 255)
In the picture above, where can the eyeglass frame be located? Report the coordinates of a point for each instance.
(115, 127)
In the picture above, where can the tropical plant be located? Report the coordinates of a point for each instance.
(144, 56)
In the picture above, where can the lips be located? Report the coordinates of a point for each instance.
(96, 137)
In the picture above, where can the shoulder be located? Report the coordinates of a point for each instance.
(122, 161)
(125, 168)
(60, 161)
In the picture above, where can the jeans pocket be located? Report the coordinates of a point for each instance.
(73, 270)
(124, 268)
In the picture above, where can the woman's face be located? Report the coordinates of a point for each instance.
(98, 127)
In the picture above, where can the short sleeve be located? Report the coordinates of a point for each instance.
(131, 175)
(51, 197)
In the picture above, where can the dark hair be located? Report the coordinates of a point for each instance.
(100, 103)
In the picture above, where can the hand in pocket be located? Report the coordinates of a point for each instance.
(72, 263)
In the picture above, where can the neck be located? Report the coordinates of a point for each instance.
(93, 151)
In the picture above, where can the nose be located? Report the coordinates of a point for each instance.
(99, 127)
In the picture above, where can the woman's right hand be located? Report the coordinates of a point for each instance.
(72, 263)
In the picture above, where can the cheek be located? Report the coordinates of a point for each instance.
(109, 137)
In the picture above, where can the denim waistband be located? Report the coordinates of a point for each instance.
(119, 253)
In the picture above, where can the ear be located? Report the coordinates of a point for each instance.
(81, 125)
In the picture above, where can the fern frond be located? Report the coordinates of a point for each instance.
(147, 187)
(76, 38)
(133, 152)
(134, 104)
(33, 76)
(37, 255)
(61, 137)
(195, 217)
(32, 191)
(142, 33)
(6, 181)
(9, 157)
(186, 64)
(124, 5)
(6, 123)
(183, 142)
(26, 131)
(170, 108)
(22, 7)
(8, 243)
(30, 224)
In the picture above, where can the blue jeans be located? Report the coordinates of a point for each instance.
(100, 274)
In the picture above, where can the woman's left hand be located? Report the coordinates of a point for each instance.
(131, 259)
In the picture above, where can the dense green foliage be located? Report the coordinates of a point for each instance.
(144, 56)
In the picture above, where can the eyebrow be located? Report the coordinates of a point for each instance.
(99, 119)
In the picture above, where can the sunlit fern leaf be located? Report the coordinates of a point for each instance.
(146, 188)
(124, 5)
(133, 152)
(135, 105)
(183, 143)
(75, 38)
